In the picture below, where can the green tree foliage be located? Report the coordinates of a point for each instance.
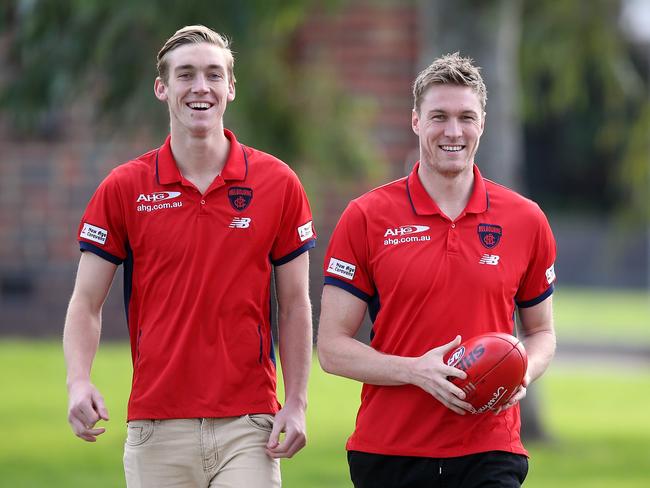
(586, 108)
(101, 53)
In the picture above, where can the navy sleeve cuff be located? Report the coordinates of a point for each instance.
(291, 256)
(348, 287)
(86, 246)
(539, 299)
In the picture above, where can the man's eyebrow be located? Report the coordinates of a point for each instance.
(443, 111)
(182, 67)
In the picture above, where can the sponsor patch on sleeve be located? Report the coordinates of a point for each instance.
(550, 274)
(94, 233)
(341, 268)
(306, 231)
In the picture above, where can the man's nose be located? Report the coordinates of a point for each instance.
(200, 84)
(453, 128)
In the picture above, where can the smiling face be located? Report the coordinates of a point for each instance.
(197, 89)
(449, 124)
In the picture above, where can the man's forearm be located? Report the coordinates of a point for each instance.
(345, 356)
(295, 334)
(80, 341)
(540, 348)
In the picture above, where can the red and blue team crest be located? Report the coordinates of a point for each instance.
(489, 235)
(240, 197)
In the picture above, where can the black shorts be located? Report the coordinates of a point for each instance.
(494, 469)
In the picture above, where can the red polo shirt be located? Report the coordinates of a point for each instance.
(427, 279)
(197, 277)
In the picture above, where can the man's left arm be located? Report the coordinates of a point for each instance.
(538, 337)
(295, 337)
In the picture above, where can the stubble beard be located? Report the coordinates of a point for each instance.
(446, 171)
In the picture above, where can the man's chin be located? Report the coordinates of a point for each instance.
(450, 171)
(200, 130)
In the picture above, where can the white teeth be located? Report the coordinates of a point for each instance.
(452, 148)
(199, 105)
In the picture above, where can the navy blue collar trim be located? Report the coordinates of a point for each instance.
(245, 159)
(157, 175)
(408, 194)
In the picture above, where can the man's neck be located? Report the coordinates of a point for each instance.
(200, 158)
(451, 193)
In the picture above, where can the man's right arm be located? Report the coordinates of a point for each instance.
(341, 354)
(80, 341)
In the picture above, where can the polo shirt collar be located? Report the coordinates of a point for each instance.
(423, 204)
(235, 168)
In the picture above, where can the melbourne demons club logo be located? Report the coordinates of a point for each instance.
(489, 235)
(240, 197)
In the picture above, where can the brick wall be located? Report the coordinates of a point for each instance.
(372, 46)
(44, 186)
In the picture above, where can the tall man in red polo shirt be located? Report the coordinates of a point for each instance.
(199, 224)
(436, 256)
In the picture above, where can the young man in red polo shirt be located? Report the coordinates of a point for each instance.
(436, 256)
(199, 224)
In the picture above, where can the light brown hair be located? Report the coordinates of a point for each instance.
(450, 69)
(194, 34)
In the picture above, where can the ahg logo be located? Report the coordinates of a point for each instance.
(158, 196)
(405, 230)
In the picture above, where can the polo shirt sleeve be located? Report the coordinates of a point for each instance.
(296, 232)
(538, 282)
(346, 259)
(102, 230)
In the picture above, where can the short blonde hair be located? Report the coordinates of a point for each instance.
(450, 69)
(194, 34)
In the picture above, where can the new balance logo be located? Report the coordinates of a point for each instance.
(491, 259)
(240, 223)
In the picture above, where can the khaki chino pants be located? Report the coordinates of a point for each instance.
(207, 453)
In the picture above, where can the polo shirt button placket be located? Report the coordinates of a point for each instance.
(452, 239)
(202, 208)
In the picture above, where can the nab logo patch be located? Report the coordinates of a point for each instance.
(306, 231)
(489, 235)
(94, 233)
(240, 223)
(240, 197)
(341, 268)
(550, 274)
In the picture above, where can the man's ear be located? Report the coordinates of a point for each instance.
(231, 90)
(160, 89)
(415, 122)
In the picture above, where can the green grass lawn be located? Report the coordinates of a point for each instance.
(598, 420)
